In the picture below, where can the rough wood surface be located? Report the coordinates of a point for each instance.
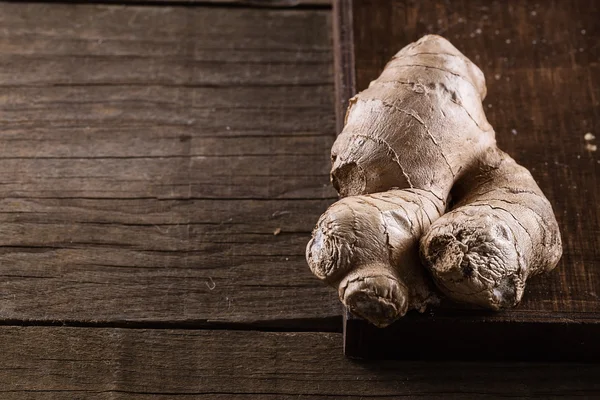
(92, 363)
(245, 3)
(343, 45)
(148, 155)
(543, 88)
(543, 80)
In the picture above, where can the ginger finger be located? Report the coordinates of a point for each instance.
(367, 248)
(418, 125)
(501, 232)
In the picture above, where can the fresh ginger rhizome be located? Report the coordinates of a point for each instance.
(415, 137)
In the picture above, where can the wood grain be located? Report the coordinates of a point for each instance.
(244, 3)
(543, 79)
(343, 44)
(93, 363)
(148, 155)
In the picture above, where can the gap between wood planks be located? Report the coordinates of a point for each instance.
(327, 324)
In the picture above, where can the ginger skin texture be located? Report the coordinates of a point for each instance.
(415, 138)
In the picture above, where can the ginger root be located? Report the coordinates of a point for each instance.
(416, 137)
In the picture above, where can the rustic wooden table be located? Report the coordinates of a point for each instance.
(161, 167)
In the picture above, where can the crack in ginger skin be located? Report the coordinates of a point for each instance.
(417, 135)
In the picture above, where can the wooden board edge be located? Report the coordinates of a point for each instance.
(343, 52)
(421, 337)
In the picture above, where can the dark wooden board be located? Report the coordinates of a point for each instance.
(543, 77)
(149, 154)
(96, 363)
(244, 3)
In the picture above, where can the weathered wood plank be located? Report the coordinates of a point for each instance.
(175, 260)
(246, 3)
(148, 155)
(345, 75)
(543, 79)
(66, 363)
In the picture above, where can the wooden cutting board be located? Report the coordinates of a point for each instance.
(540, 60)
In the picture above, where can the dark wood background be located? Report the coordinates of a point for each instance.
(540, 60)
(161, 168)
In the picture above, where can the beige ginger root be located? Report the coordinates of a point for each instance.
(367, 247)
(417, 135)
